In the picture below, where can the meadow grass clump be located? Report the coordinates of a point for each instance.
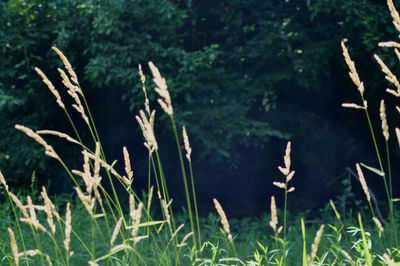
(98, 228)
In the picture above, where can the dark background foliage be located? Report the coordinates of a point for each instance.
(245, 76)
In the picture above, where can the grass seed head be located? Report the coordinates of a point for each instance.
(353, 72)
(274, 216)
(3, 181)
(48, 210)
(162, 90)
(128, 169)
(315, 245)
(363, 182)
(187, 144)
(389, 75)
(394, 14)
(51, 87)
(116, 231)
(14, 246)
(224, 220)
(382, 114)
(30, 133)
(68, 228)
(67, 65)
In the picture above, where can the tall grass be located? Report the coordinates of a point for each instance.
(99, 229)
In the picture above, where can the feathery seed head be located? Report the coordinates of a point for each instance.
(274, 217)
(224, 220)
(187, 144)
(68, 228)
(363, 182)
(315, 245)
(385, 127)
(30, 133)
(147, 126)
(116, 231)
(14, 246)
(279, 184)
(353, 72)
(51, 87)
(128, 168)
(3, 181)
(67, 65)
(161, 89)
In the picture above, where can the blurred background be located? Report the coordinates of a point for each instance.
(245, 77)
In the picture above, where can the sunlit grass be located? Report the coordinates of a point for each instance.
(98, 228)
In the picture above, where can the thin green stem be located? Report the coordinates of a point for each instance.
(184, 180)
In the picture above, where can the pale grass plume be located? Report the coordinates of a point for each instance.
(92, 263)
(397, 130)
(185, 238)
(161, 89)
(286, 158)
(389, 44)
(143, 80)
(394, 14)
(224, 220)
(116, 231)
(49, 207)
(397, 53)
(274, 216)
(3, 181)
(279, 184)
(87, 200)
(164, 206)
(147, 126)
(378, 225)
(103, 164)
(389, 76)
(30, 133)
(187, 144)
(135, 214)
(32, 219)
(19, 204)
(14, 246)
(67, 65)
(68, 229)
(347, 255)
(290, 176)
(73, 91)
(389, 261)
(315, 244)
(31, 253)
(175, 234)
(382, 114)
(150, 197)
(398, 109)
(58, 134)
(291, 189)
(120, 247)
(363, 182)
(51, 87)
(353, 72)
(128, 169)
(352, 105)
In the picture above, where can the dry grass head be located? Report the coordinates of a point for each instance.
(187, 144)
(30, 133)
(382, 114)
(162, 90)
(353, 72)
(315, 245)
(147, 126)
(224, 220)
(363, 182)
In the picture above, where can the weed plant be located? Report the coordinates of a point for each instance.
(98, 229)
